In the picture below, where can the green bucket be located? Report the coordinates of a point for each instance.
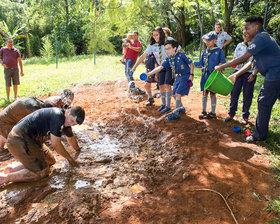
(218, 83)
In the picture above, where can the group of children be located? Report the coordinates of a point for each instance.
(182, 69)
(182, 72)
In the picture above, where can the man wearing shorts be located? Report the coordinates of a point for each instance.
(11, 58)
(25, 141)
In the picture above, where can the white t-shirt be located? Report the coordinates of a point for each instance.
(155, 50)
(240, 49)
(221, 38)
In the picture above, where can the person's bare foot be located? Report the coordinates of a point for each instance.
(8, 169)
(2, 142)
(14, 167)
(3, 179)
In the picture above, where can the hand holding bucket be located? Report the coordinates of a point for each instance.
(218, 83)
(143, 76)
(232, 78)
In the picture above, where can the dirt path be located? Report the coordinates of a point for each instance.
(136, 167)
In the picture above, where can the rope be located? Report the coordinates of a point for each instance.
(206, 189)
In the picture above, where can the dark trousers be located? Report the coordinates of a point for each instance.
(248, 92)
(269, 93)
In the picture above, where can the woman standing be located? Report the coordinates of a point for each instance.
(165, 78)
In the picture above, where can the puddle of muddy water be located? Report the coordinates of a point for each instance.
(105, 164)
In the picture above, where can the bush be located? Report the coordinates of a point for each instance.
(47, 50)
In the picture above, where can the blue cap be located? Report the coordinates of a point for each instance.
(210, 36)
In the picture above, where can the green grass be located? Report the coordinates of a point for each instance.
(41, 76)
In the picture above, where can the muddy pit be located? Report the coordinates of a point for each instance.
(136, 167)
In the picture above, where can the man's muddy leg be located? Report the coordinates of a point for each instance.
(23, 175)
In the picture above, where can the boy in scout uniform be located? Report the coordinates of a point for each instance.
(182, 68)
(211, 57)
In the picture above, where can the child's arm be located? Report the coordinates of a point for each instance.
(143, 56)
(156, 76)
(244, 69)
(253, 75)
(155, 70)
(191, 71)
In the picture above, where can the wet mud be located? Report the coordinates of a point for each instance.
(136, 167)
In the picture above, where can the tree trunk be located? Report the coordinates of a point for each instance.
(67, 11)
(228, 10)
(180, 27)
(246, 6)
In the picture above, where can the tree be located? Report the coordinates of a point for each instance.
(14, 34)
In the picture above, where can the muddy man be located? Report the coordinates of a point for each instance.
(17, 110)
(25, 142)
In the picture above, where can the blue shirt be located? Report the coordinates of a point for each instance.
(266, 53)
(181, 62)
(215, 57)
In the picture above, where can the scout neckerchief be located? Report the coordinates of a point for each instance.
(173, 64)
(207, 58)
(159, 51)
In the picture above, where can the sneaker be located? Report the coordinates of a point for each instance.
(211, 115)
(157, 95)
(173, 116)
(142, 91)
(228, 118)
(156, 87)
(182, 110)
(161, 108)
(251, 139)
(244, 121)
(165, 110)
(150, 102)
(203, 115)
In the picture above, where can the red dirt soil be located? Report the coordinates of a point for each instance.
(217, 159)
(205, 154)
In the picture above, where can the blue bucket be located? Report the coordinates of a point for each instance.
(236, 129)
(143, 76)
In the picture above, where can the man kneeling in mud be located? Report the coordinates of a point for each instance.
(25, 142)
(17, 110)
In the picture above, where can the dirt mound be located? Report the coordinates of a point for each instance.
(137, 167)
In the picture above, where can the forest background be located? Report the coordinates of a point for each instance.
(87, 26)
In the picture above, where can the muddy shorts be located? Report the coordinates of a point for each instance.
(11, 74)
(165, 77)
(27, 151)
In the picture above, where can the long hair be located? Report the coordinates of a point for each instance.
(161, 36)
